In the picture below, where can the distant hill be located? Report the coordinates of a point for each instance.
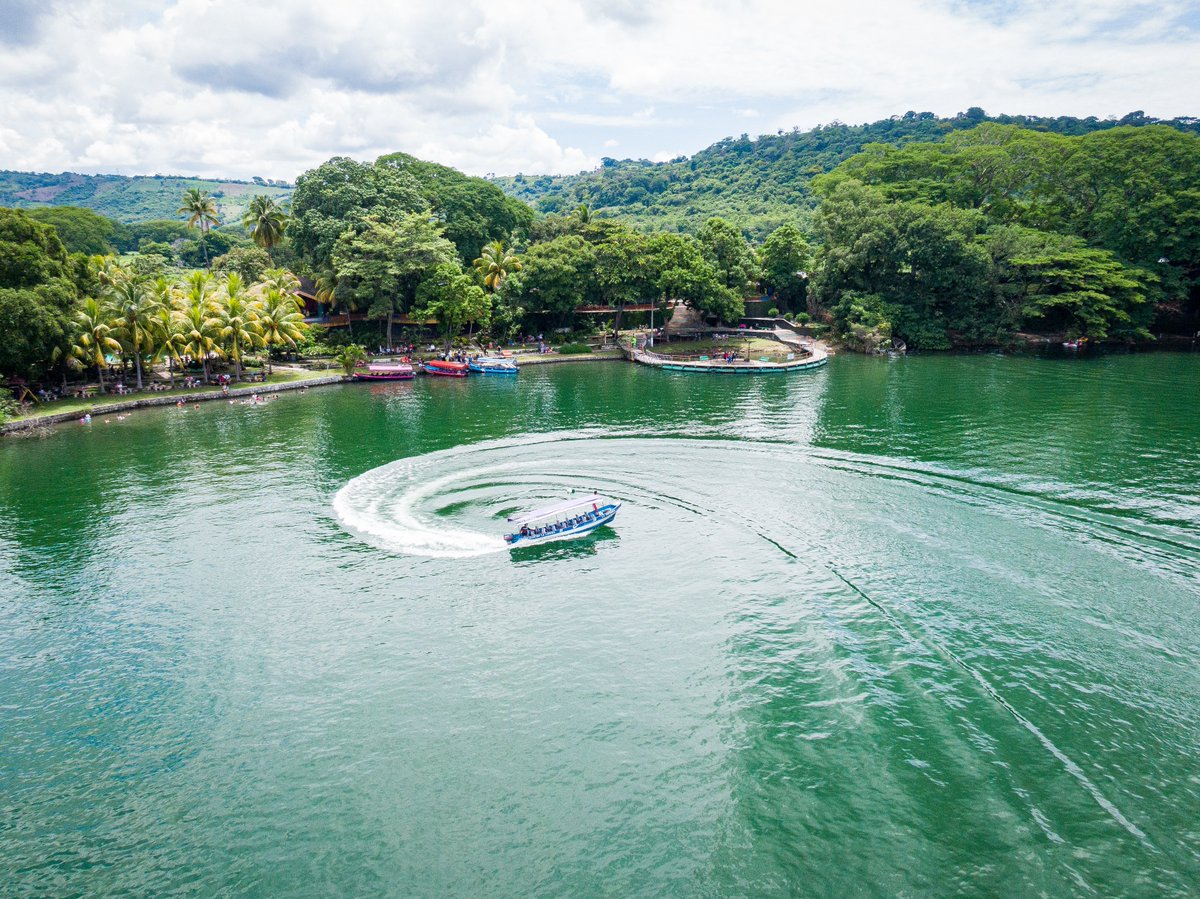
(760, 184)
(139, 198)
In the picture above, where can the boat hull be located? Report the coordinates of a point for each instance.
(384, 376)
(485, 369)
(605, 514)
(446, 369)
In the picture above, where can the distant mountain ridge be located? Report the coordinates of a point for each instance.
(132, 199)
(759, 184)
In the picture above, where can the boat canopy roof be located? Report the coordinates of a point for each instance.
(556, 509)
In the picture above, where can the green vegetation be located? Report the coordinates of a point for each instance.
(131, 200)
(201, 211)
(39, 291)
(473, 212)
(938, 232)
(61, 313)
(1001, 229)
(348, 358)
(265, 221)
(574, 348)
(759, 185)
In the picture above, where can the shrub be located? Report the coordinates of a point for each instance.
(349, 357)
(574, 349)
(773, 311)
(8, 404)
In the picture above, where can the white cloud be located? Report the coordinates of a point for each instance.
(243, 87)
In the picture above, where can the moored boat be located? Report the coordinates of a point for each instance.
(448, 369)
(486, 365)
(385, 371)
(562, 521)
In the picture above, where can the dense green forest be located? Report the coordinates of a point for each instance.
(131, 199)
(761, 184)
(1001, 229)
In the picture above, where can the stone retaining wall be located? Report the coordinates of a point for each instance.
(553, 358)
(145, 402)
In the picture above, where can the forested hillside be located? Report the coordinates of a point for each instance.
(136, 199)
(763, 183)
(1001, 229)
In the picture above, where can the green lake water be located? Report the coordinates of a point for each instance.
(919, 626)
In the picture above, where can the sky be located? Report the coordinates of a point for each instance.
(239, 88)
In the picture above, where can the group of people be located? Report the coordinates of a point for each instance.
(558, 526)
(406, 349)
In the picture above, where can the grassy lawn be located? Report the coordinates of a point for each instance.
(80, 406)
(758, 346)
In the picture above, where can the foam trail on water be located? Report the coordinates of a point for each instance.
(369, 507)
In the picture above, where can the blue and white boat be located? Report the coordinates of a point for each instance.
(485, 365)
(563, 521)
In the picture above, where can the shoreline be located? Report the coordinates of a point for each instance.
(146, 402)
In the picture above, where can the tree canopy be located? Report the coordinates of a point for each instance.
(37, 292)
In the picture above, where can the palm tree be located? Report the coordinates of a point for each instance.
(238, 325)
(495, 263)
(326, 288)
(167, 335)
(266, 220)
(65, 352)
(280, 320)
(201, 209)
(281, 279)
(94, 338)
(349, 356)
(201, 329)
(135, 306)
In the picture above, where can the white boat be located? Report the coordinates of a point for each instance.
(486, 365)
(562, 521)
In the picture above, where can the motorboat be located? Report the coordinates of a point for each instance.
(385, 371)
(490, 365)
(448, 369)
(567, 520)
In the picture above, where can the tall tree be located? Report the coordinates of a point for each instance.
(265, 220)
(339, 195)
(495, 263)
(38, 292)
(682, 272)
(728, 253)
(238, 328)
(453, 298)
(201, 210)
(135, 306)
(786, 264)
(198, 323)
(94, 336)
(381, 264)
(280, 321)
(473, 211)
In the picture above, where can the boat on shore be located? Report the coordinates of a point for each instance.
(444, 368)
(488, 365)
(385, 371)
(567, 520)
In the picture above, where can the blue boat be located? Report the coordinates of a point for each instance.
(563, 521)
(490, 366)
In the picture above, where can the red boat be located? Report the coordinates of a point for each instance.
(449, 369)
(385, 371)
